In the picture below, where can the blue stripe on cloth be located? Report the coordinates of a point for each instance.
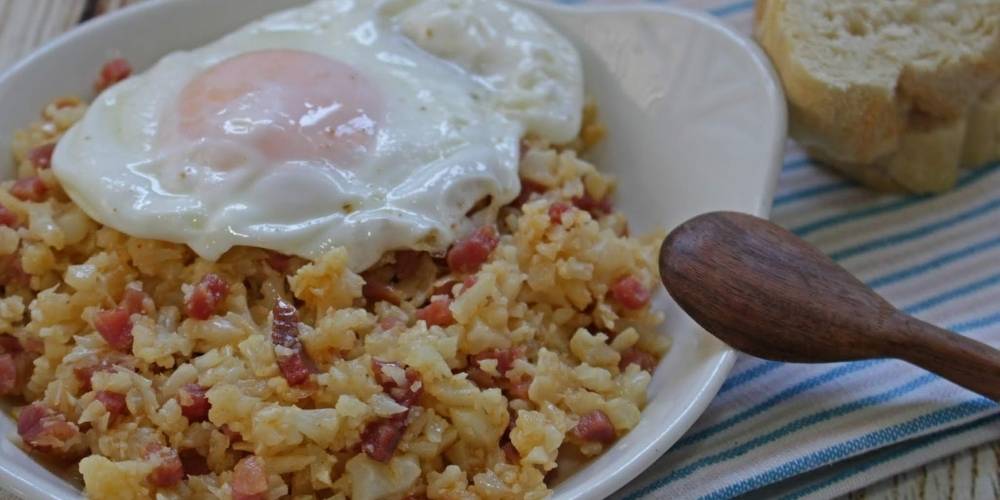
(793, 165)
(918, 232)
(895, 204)
(898, 452)
(977, 323)
(936, 263)
(747, 375)
(829, 375)
(810, 192)
(789, 428)
(840, 451)
(730, 9)
(964, 290)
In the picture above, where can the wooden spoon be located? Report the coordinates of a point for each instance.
(764, 291)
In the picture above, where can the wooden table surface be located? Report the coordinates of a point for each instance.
(972, 474)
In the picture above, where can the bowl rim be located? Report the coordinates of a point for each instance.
(35, 487)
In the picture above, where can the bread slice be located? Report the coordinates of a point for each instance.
(885, 89)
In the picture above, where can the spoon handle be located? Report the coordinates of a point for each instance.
(966, 362)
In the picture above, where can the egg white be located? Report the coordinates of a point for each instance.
(461, 81)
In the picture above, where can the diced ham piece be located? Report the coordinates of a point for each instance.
(437, 313)
(381, 437)
(630, 293)
(556, 211)
(8, 374)
(45, 430)
(83, 376)
(390, 322)
(7, 218)
(594, 427)
(288, 347)
(480, 377)
(115, 327)
(376, 290)
(593, 206)
(29, 189)
(249, 480)
(469, 282)
(113, 71)
(206, 296)
(133, 300)
(193, 463)
(444, 288)
(41, 156)
(510, 452)
(469, 253)
(407, 263)
(518, 389)
(11, 271)
(230, 433)
(384, 378)
(447, 287)
(514, 388)
(169, 469)
(30, 416)
(113, 402)
(10, 344)
(406, 394)
(16, 364)
(194, 403)
(34, 345)
(528, 188)
(84, 373)
(634, 355)
(505, 357)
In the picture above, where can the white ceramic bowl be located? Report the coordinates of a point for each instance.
(696, 123)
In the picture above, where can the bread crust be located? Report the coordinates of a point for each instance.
(982, 137)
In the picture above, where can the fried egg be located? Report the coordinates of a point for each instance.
(369, 125)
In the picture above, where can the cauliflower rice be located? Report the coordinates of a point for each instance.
(413, 381)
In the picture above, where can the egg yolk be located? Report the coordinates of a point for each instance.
(288, 105)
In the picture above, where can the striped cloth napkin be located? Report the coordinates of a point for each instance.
(781, 430)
